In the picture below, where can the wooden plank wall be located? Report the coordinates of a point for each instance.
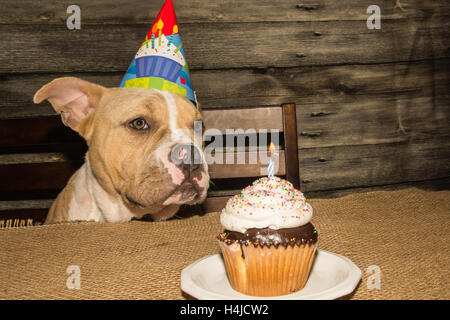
(372, 105)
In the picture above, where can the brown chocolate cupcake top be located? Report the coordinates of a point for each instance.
(268, 237)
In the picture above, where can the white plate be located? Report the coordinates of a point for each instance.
(332, 276)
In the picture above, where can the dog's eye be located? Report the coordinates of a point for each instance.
(139, 124)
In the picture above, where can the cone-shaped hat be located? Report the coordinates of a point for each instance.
(160, 62)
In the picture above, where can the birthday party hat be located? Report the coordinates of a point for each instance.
(160, 62)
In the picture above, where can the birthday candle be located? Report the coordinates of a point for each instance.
(174, 31)
(170, 41)
(153, 41)
(270, 168)
(271, 164)
(178, 48)
(160, 25)
(273, 156)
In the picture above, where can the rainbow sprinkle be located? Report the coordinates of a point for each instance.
(258, 195)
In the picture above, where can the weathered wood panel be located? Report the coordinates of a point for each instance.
(270, 118)
(36, 131)
(29, 204)
(308, 87)
(108, 48)
(137, 11)
(343, 167)
(431, 185)
(372, 122)
(349, 139)
(35, 176)
(412, 103)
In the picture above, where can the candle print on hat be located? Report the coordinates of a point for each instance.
(160, 61)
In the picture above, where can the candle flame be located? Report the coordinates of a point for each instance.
(160, 24)
(271, 147)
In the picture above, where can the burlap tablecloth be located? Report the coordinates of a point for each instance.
(406, 233)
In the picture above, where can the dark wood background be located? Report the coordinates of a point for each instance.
(372, 105)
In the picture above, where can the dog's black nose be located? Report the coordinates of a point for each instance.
(186, 156)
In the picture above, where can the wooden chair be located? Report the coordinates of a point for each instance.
(38, 156)
(281, 118)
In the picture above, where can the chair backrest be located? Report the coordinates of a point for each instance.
(37, 160)
(263, 119)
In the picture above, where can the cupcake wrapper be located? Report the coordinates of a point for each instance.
(155, 66)
(267, 271)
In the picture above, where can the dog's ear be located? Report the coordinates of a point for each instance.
(74, 99)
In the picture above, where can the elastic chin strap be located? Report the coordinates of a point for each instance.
(196, 102)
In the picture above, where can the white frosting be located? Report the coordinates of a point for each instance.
(163, 50)
(268, 203)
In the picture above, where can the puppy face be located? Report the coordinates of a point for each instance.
(135, 136)
(139, 142)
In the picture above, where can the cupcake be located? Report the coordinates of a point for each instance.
(268, 242)
(160, 59)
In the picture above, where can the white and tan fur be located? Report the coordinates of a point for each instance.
(127, 173)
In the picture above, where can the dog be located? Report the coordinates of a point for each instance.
(141, 147)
